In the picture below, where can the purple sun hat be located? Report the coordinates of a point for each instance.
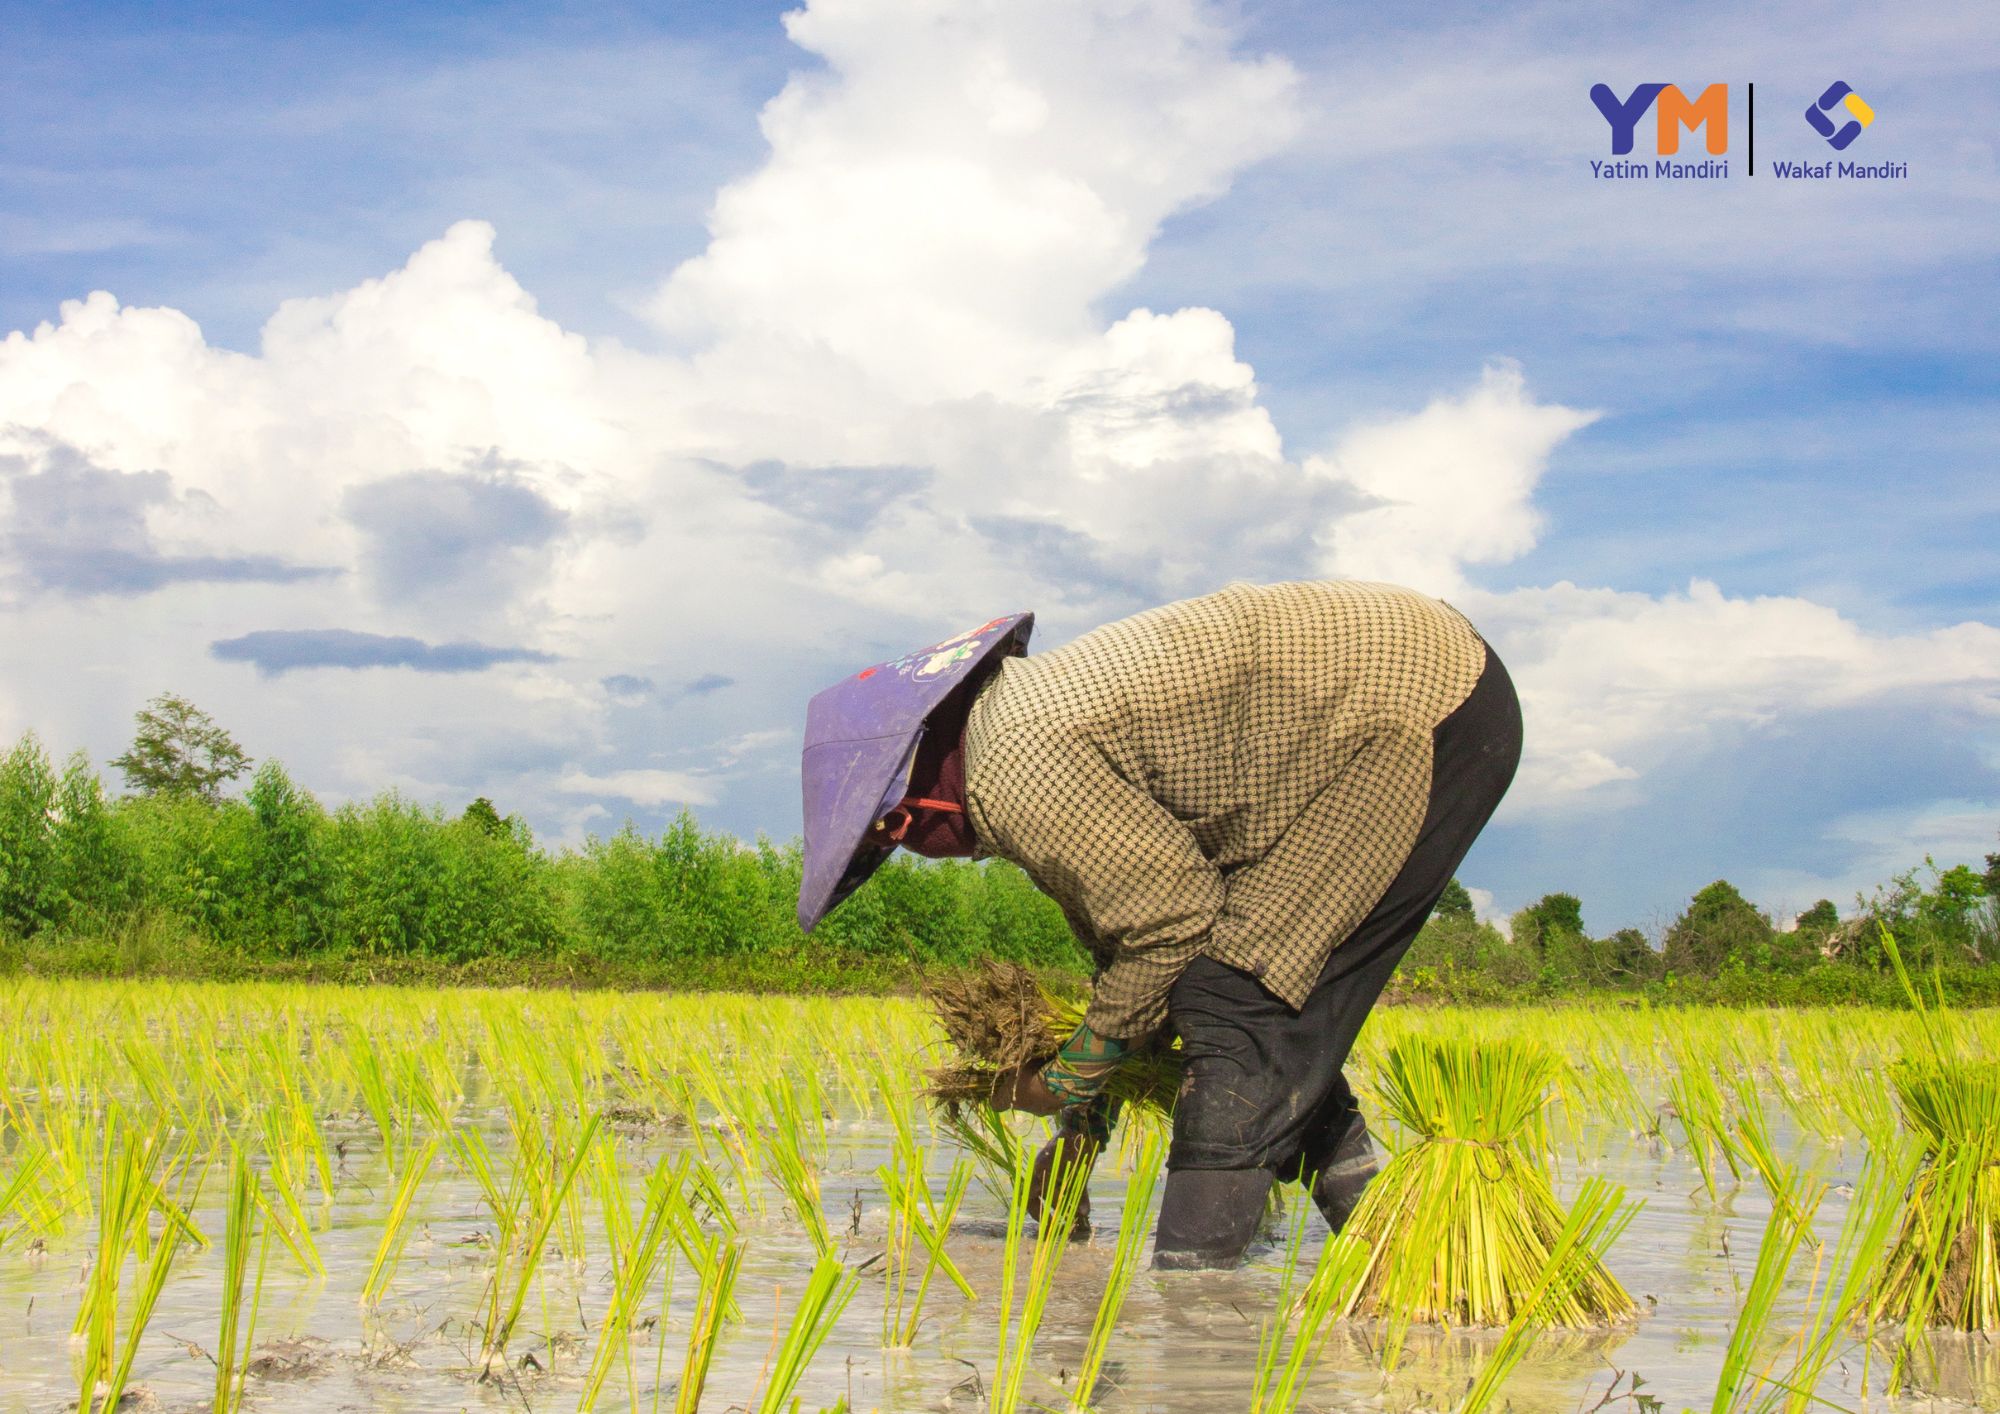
(861, 740)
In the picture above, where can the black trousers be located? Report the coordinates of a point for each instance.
(1266, 1097)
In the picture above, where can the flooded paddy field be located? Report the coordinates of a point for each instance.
(546, 1201)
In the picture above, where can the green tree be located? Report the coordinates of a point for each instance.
(482, 816)
(30, 865)
(288, 875)
(1556, 913)
(180, 751)
(1820, 920)
(1719, 926)
(1454, 902)
(1630, 955)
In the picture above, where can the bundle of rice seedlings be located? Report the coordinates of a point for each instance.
(997, 1017)
(1461, 1224)
(1944, 1269)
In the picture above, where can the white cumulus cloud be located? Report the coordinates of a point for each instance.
(902, 392)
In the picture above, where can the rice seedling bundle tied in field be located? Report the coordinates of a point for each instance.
(998, 1018)
(1945, 1267)
(1461, 1223)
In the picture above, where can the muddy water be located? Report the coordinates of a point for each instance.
(1187, 1341)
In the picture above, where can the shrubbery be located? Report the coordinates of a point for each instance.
(276, 876)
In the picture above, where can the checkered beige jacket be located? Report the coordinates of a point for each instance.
(1240, 775)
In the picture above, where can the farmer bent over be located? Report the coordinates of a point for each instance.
(1246, 805)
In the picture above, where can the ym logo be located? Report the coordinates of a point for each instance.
(1838, 93)
(1674, 112)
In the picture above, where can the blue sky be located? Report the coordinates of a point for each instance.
(769, 338)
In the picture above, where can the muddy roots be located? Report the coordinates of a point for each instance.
(998, 1017)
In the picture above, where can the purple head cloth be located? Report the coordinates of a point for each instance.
(861, 738)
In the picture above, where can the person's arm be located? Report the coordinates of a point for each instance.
(1114, 857)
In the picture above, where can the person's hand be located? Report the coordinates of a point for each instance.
(1024, 1089)
(1067, 1149)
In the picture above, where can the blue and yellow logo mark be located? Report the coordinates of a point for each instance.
(1839, 95)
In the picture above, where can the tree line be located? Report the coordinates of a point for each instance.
(175, 872)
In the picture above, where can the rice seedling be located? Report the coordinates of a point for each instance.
(1795, 1201)
(395, 1224)
(134, 1188)
(717, 1270)
(828, 1290)
(1699, 1106)
(787, 1146)
(288, 1182)
(637, 1252)
(1132, 1221)
(1066, 1182)
(1944, 1269)
(916, 1220)
(1288, 1344)
(1841, 1297)
(523, 1214)
(26, 1174)
(294, 1083)
(240, 1215)
(1460, 1223)
(1596, 1219)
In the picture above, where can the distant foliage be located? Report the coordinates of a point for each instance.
(1554, 914)
(1719, 926)
(1953, 918)
(1454, 902)
(276, 876)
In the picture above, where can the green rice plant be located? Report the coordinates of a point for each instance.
(1698, 1104)
(637, 1251)
(134, 1188)
(524, 1208)
(995, 1147)
(1132, 1222)
(240, 1215)
(288, 1181)
(1596, 1219)
(395, 1224)
(1842, 1298)
(151, 1284)
(788, 1147)
(131, 1173)
(1064, 1192)
(26, 1174)
(1288, 1344)
(707, 1200)
(916, 1220)
(1944, 1269)
(827, 1293)
(721, 1261)
(721, 1092)
(1812, 1091)
(1840, 1286)
(372, 1081)
(1460, 1224)
(1789, 1229)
